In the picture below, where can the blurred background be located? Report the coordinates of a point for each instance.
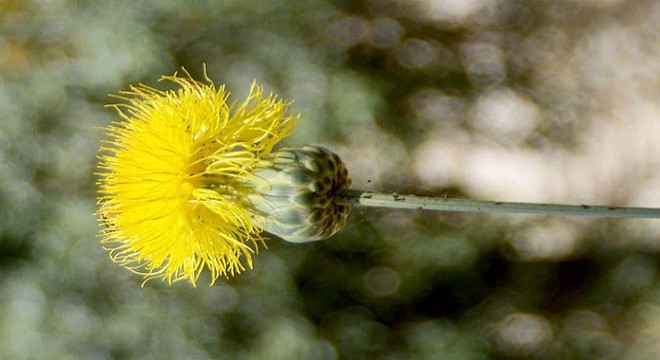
(544, 101)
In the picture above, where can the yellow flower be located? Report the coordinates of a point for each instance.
(176, 175)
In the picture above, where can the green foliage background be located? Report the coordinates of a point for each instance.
(550, 100)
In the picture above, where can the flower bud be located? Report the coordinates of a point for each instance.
(297, 198)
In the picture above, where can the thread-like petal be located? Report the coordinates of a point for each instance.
(173, 173)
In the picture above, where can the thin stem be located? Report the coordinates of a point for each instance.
(394, 200)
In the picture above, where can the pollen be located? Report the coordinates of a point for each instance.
(174, 174)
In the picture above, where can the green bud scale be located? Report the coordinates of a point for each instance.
(297, 198)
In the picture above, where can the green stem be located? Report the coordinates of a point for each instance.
(394, 200)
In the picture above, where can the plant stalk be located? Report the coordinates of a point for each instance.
(394, 200)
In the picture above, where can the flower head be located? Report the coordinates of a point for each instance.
(176, 175)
